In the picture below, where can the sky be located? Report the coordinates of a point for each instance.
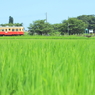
(27, 11)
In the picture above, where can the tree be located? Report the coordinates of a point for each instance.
(10, 24)
(41, 27)
(89, 20)
(10, 19)
(73, 26)
(18, 24)
(56, 29)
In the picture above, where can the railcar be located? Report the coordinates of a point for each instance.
(14, 30)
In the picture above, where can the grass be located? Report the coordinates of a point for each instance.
(47, 37)
(47, 67)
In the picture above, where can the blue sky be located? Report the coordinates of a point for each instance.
(27, 11)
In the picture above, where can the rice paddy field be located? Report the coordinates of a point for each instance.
(47, 66)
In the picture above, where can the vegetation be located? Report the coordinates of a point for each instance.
(71, 26)
(11, 23)
(89, 20)
(26, 36)
(11, 20)
(47, 67)
(40, 27)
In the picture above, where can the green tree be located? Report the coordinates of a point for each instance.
(10, 19)
(10, 24)
(89, 20)
(41, 27)
(18, 24)
(73, 26)
(56, 29)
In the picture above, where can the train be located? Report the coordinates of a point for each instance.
(11, 31)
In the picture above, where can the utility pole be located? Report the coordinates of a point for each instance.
(68, 26)
(46, 17)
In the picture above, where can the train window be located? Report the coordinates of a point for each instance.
(16, 29)
(5, 29)
(12, 29)
(2, 29)
(19, 29)
(9, 29)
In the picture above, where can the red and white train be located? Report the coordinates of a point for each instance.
(14, 30)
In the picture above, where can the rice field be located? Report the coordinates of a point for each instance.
(47, 67)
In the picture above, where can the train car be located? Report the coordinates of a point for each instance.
(14, 30)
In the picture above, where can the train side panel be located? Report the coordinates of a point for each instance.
(11, 31)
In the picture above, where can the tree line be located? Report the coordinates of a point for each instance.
(76, 25)
(11, 23)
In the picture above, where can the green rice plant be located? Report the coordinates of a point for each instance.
(47, 67)
(48, 37)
